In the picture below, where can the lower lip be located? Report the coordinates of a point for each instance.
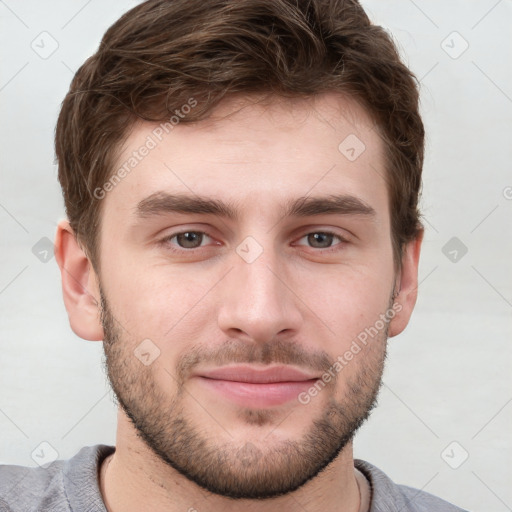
(249, 394)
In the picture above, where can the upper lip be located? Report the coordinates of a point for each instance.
(245, 373)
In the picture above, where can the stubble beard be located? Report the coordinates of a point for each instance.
(244, 471)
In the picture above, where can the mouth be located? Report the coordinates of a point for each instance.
(249, 386)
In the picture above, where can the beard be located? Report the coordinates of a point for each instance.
(243, 471)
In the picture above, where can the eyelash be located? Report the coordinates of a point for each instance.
(166, 241)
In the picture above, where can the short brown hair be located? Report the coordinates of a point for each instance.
(163, 52)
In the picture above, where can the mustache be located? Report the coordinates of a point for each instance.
(243, 352)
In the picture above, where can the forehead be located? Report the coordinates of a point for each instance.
(255, 155)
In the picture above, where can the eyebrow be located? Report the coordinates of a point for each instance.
(161, 203)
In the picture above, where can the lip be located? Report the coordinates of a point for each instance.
(257, 388)
(251, 374)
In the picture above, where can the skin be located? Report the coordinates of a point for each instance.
(294, 300)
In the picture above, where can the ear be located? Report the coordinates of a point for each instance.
(79, 285)
(408, 278)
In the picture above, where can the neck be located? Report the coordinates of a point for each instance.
(135, 479)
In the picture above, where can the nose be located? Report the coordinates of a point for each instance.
(258, 300)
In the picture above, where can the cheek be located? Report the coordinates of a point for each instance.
(160, 303)
(346, 300)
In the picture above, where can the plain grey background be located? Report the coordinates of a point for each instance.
(445, 412)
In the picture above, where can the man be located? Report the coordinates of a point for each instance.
(241, 182)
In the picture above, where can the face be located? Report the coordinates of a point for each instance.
(286, 264)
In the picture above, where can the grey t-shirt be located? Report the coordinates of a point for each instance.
(72, 486)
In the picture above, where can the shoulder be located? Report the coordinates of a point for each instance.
(55, 487)
(389, 497)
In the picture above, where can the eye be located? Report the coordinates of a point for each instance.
(323, 240)
(185, 240)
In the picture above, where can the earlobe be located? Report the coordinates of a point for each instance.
(79, 285)
(405, 301)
